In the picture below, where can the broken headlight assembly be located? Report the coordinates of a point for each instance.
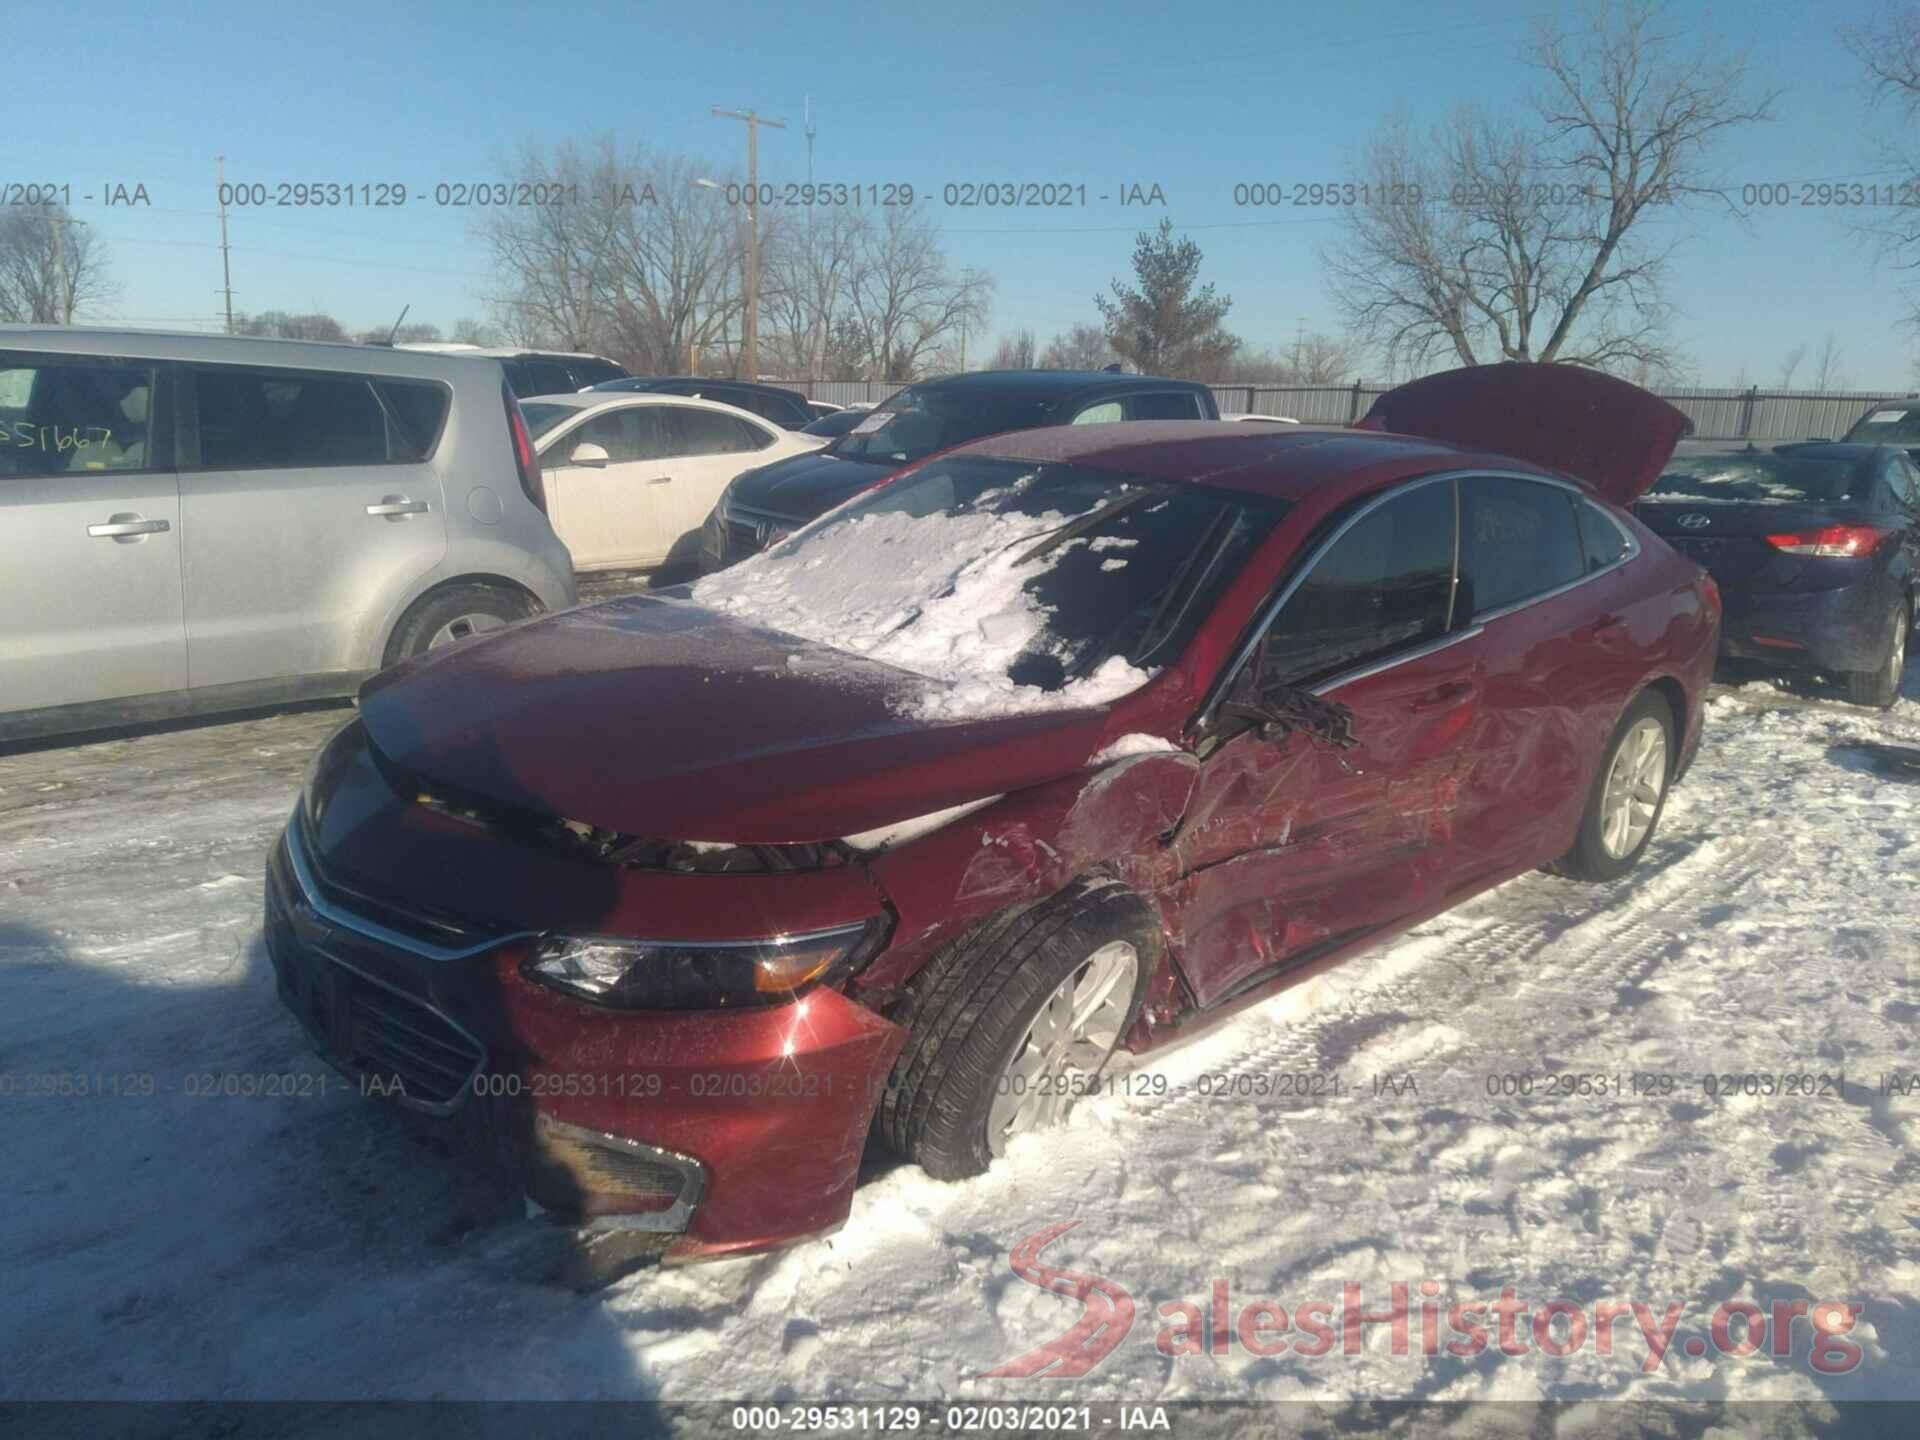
(701, 974)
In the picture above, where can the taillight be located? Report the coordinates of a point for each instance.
(1711, 591)
(524, 460)
(1836, 541)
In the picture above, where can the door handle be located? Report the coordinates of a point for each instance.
(396, 505)
(127, 527)
(661, 480)
(1443, 696)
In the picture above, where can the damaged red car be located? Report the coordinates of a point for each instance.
(1058, 742)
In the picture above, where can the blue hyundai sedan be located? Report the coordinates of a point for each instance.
(1815, 548)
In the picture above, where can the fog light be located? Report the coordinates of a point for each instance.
(595, 1175)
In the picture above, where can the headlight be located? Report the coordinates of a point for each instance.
(700, 975)
(317, 787)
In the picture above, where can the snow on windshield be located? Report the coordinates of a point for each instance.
(863, 584)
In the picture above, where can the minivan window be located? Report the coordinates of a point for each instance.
(61, 416)
(270, 419)
(1518, 539)
(1384, 585)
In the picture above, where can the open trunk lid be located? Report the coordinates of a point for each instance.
(1615, 436)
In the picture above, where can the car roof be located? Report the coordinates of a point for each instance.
(1282, 462)
(496, 352)
(617, 399)
(1048, 382)
(714, 381)
(191, 345)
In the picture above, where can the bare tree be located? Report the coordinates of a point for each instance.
(1791, 364)
(285, 325)
(811, 269)
(1500, 238)
(51, 266)
(1828, 372)
(1014, 352)
(469, 331)
(1084, 347)
(908, 301)
(1888, 49)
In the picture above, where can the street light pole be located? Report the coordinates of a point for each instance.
(750, 317)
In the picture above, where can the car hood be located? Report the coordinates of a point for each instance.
(805, 486)
(1615, 436)
(658, 718)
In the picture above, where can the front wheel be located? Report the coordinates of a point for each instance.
(1628, 794)
(1879, 687)
(1014, 1023)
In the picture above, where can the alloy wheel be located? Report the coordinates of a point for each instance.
(1066, 1046)
(463, 627)
(1634, 784)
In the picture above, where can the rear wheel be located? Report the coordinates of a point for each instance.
(1014, 1022)
(1880, 686)
(1628, 794)
(457, 613)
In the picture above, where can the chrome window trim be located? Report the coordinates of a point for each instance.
(1478, 623)
(372, 929)
(1628, 554)
(1265, 619)
(1403, 657)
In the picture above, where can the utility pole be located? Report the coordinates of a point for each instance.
(62, 291)
(226, 265)
(750, 317)
(813, 337)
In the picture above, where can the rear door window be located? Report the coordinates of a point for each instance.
(1385, 585)
(1164, 405)
(1101, 412)
(73, 415)
(1518, 539)
(1601, 541)
(708, 432)
(273, 419)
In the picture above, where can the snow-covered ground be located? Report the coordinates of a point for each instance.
(193, 1245)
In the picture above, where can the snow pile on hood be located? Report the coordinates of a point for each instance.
(939, 595)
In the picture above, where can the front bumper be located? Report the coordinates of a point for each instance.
(733, 533)
(727, 1131)
(1841, 629)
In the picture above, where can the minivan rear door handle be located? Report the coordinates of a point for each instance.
(394, 506)
(127, 527)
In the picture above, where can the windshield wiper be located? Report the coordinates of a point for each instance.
(1090, 521)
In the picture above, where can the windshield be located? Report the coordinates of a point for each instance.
(1780, 478)
(542, 418)
(922, 419)
(1896, 423)
(836, 424)
(978, 573)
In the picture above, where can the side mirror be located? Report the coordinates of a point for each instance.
(588, 453)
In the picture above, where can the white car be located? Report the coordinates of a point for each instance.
(631, 476)
(1267, 419)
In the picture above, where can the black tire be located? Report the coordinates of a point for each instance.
(415, 633)
(1879, 687)
(973, 1004)
(1589, 859)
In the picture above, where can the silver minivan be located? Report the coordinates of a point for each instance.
(194, 523)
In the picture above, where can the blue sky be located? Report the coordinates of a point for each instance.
(1194, 99)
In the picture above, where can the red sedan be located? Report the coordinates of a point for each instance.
(1056, 742)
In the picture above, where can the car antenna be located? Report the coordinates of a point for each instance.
(396, 325)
